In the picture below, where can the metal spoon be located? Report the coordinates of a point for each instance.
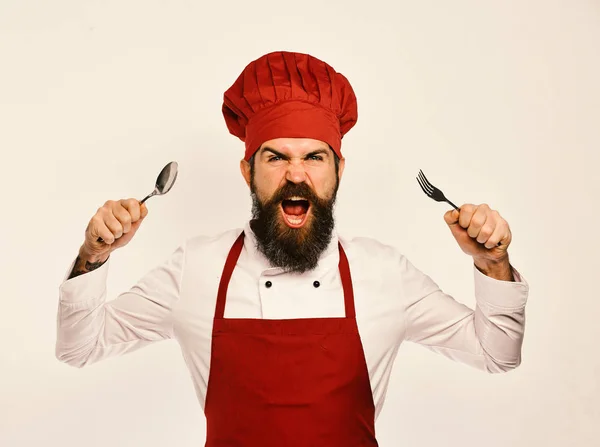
(164, 182)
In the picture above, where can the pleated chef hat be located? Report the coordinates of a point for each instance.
(289, 95)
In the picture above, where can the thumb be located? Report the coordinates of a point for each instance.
(137, 223)
(451, 217)
(143, 210)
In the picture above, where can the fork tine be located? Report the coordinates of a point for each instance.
(423, 187)
(432, 191)
(425, 183)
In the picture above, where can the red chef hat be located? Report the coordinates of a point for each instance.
(289, 95)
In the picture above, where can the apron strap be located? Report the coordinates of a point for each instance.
(232, 258)
(346, 283)
(234, 255)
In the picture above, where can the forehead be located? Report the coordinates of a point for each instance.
(294, 147)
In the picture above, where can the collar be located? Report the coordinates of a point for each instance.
(260, 264)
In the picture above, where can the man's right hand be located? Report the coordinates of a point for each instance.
(113, 226)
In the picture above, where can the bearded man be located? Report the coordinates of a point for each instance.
(288, 328)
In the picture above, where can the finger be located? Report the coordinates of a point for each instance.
(500, 236)
(451, 217)
(466, 212)
(123, 216)
(486, 230)
(144, 210)
(478, 220)
(495, 237)
(113, 224)
(133, 206)
(98, 229)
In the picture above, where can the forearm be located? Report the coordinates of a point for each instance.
(501, 295)
(85, 263)
(90, 328)
(81, 313)
(488, 337)
(500, 333)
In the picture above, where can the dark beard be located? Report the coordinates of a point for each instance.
(293, 249)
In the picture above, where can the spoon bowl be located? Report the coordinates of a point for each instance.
(165, 180)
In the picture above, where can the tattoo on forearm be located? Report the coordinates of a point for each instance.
(82, 267)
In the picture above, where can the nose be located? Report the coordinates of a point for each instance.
(295, 172)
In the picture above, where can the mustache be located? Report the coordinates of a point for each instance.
(295, 189)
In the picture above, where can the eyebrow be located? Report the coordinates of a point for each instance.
(279, 154)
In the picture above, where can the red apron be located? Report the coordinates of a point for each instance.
(288, 383)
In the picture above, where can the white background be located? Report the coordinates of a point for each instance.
(497, 102)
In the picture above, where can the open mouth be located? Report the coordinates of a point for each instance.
(295, 210)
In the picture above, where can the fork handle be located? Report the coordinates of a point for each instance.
(455, 207)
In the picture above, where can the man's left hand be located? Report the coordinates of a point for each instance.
(478, 229)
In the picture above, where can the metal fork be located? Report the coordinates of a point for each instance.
(432, 191)
(435, 193)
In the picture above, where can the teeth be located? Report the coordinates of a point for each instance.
(294, 220)
(295, 198)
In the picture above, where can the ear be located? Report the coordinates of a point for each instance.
(245, 168)
(341, 168)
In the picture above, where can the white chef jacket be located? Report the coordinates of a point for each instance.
(394, 301)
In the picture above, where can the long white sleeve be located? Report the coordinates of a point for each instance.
(90, 328)
(488, 337)
(177, 300)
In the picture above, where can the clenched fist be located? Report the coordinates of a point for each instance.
(113, 226)
(480, 231)
(485, 235)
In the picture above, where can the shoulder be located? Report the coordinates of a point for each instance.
(202, 252)
(367, 249)
(376, 259)
(218, 241)
(374, 255)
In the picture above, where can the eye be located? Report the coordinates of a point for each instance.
(316, 157)
(274, 158)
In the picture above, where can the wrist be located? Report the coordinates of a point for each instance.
(497, 269)
(92, 258)
(87, 262)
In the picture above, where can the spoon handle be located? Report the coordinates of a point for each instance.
(148, 196)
